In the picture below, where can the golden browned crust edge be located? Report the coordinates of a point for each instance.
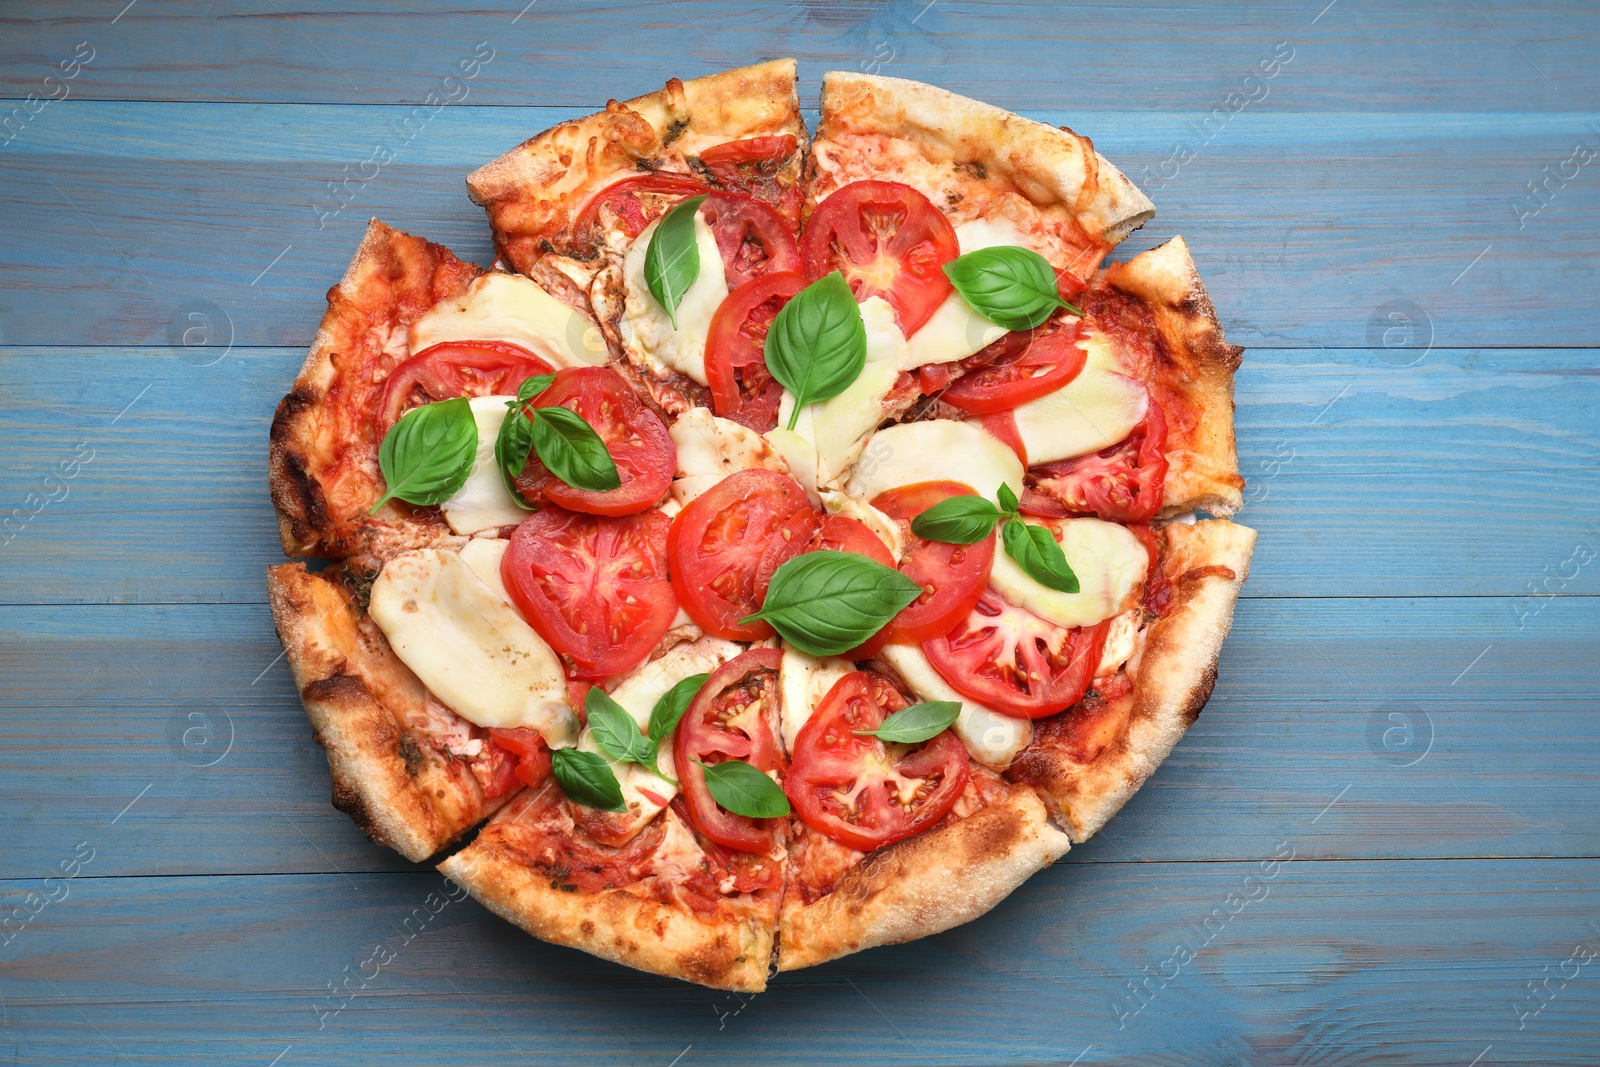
(924, 884)
(403, 797)
(1048, 165)
(534, 192)
(1175, 674)
(1203, 471)
(647, 935)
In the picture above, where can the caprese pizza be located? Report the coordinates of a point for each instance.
(789, 546)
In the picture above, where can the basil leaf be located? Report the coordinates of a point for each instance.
(919, 722)
(828, 602)
(664, 717)
(532, 387)
(818, 344)
(427, 456)
(614, 731)
(1010, 286)
(672, 262)
(586, 779)
(1008, 499)
(961, 520)
(743, 790)
(1039, 555)
(572, 450)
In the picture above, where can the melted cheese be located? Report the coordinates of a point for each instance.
(484, 502)
(467, 645)
(646, 328)
(955, 331)
(803, 681)
(711, 448)
(935, 450)
(799, 455)
(993, 739)
(1122, 641)
(509, 307)
(1096, 409)
(888, 531)
(1110, 563)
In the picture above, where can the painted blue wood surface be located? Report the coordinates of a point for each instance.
(1407, 701)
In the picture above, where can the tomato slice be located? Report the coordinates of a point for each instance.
(526, 750)
(853, 788)
(1021, 366)
(456, 368)
(752, 166)
(595, 588)
(844, 534)
(725, 545)
(1002, 426)
(1015, 662)
(633, 203)
(952, 577)
(742, 389)
(752, 237)
(733, 717)
(634, 434)
(1122, 483)
(889, 241)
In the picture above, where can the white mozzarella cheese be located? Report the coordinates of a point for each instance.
(993, 739)
(935, 450)
(483, 556)
(467, 645)
(1096, 409)
(799, 455)
(484, 502)
(647, 330)
(888, 531)
(955, 331)
(1110, 563)
(711, 448)
(508, 307)
(803, 681)
(1122, 640)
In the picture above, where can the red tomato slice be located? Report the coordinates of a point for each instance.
(889, 241)
(844, 534)
(596, 588)
(456, 368)
(719, 727)
(633, 203)
(752, 237)
(752, 166)
(725, 545)
(527, 749)
(742, 389)
(1002, 426)
(634, 434)
(1019, 367)
(952, 577)
(1015, 662)
(1123, 483)
(849, 787)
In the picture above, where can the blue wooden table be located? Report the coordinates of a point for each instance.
(1401, 222)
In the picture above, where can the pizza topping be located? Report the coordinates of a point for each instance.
(586, 779)
(882, 526)
(484, 502)
(672, 260)
(950, 575)
(828, 602)
(888, 240)
(526, 752)
(752, 166)
(428, 455)
(630, 205)
(742, 389)
(500, 307)
(754, 240)
(743, 790)
(1010, 286)
(992, 739)
(817, 345)
(710, 448)
(848, 784)
(732, 718)
(1017, 368)
(456, 368)
(674, 342)
(917, 723)
(1097, 408)
(934, 450)
(803, 681)
(1122, 483)
(1107, 560)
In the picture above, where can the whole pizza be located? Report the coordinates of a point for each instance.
(788, 546)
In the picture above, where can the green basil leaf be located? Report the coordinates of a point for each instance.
(1008, 499)
(828, 602)
(1039, 555)
(1010, 286)
(818, 344)
(672, 262)
(744, 790)
(919, 722)
(427, 456)
(515, 440)
(572, 450)
(532, 387)
(664, 717)
(586, 778)
(614, 731)
(961, 520)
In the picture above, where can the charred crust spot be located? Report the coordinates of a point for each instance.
(1202, 693)
(338, 689)
(674, 130)
(411, 754)
(710, 961)
(993, 835)
(586, 927)
(974, 169)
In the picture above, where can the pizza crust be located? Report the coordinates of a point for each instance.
(393, 783)
(1172, 680)
(924, 884)
(534, 193)
(322, 463)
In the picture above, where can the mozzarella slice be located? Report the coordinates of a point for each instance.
(1096, 409)
(467, 645)
(935, 450)
(647, 330)
(838, 428)
(483, 556)
(799, 455)
(644, 793)
(509, 307)
(1122, 641)
(888, 531)
(993, 739)
(484, 502)
(955, 331)
(711, 448)
(802, 683)
(1110, 563)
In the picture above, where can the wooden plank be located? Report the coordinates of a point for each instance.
(1469, 473)
(1314, 963)
(1170, 55)
(1425, 727)
(124, 218)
